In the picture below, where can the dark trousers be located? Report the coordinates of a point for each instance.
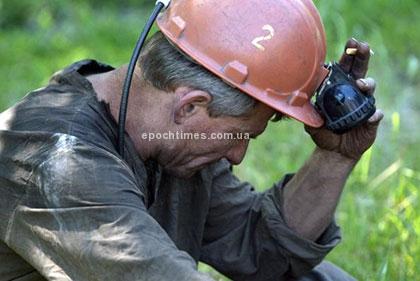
(327, 271)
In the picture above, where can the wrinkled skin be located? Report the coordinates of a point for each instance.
(355, 142)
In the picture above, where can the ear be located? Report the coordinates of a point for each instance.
(189, 103)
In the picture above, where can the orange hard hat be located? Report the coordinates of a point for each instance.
(273, 50)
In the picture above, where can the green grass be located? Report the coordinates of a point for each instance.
(379, 211)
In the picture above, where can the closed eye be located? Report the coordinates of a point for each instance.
(278, 117)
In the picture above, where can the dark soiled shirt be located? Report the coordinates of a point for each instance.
(72, 209)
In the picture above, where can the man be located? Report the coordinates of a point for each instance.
(73, 209)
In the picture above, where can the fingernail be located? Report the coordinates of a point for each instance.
(375, 118)
(364, 82)
(351, 51)
(372, 119)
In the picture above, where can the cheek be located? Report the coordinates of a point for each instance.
(218, 146)
(210, 150)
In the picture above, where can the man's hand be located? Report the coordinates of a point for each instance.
(355, 142)
(311, 196)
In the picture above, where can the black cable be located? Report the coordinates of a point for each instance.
(130, 71)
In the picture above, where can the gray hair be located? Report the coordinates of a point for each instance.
(167, 68)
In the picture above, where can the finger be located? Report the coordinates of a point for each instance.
(361, 61)
(367, 85)
(346, 61)
(376, 118)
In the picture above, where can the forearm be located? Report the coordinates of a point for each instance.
(311, 196)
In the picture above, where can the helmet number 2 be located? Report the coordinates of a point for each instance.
(269, 36)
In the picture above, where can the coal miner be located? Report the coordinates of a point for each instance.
(73, 207)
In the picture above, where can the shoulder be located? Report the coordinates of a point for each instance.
(74, 172)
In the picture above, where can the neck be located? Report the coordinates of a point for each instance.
(108, 87)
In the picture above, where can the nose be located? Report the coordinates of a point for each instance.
(237, 153)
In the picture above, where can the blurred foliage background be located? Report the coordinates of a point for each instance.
(380, 208)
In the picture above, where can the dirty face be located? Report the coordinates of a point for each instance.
(217, 138)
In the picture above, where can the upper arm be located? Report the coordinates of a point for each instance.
(246, 237)
(236, 234)
(85, 219)
(74, 173)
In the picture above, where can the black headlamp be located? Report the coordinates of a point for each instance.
(341, 103)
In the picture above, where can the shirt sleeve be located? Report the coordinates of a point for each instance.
(83, 219)
(246, 237)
